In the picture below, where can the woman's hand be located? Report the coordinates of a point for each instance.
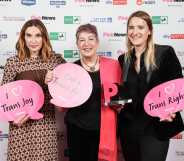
(21, 119)
(49, 76)
(170, 118)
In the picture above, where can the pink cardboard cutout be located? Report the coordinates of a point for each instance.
(20, 97)
(165, 98)
(71, 86)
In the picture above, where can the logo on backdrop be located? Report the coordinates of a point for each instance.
(3, 36)
(159, 19)
(12, 18)
(72, 19)
(119, 2)
(87, 3)
(114, 36)
(71, 54)
(101, 19)
(180, 20)
(105, 53)
(28, 2)
(145, 2)
(3, 135)
(58, 36)
(45, 19)
(116, 2)
(173, 36)
(123, 19)
(174, 3)
(4, 2)
(57, 4)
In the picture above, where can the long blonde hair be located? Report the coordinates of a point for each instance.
(149, 57)
(22, 50)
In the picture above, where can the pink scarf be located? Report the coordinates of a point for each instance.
(110, 71)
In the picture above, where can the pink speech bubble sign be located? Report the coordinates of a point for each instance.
(71, 86)
(20, 97)
(165, 98)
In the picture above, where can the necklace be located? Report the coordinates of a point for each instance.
(93, 67)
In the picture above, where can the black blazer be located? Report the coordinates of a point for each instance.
(169, 68)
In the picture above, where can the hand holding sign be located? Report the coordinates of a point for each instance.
(71, 85)
(165, 99)
(20, 97)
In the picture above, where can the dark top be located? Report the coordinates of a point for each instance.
(87, 115)
(137, 85)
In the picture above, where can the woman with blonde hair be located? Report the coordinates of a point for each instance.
(144, 66)
(33, 139)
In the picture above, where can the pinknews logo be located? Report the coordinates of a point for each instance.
(174, 36)
(113, 34)
(147, 2)
(44, 17)
(123, 19)
(87, 1)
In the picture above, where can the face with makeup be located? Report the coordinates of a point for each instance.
(33, 40)
(87, 43)
(138, 32)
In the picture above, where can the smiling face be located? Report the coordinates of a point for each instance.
(138, 32)
(33, 40)
(87, 43)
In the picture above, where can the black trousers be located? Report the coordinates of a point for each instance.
(141, 147)
(83, 144)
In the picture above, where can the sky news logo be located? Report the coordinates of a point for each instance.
(160, 19)
(119, 2)
(28, 2)
(116, 2)
(146, 2)
(72, 19)
(71, 54)
(58, 36)
(173, 36)
(57, 3)
(101, 20)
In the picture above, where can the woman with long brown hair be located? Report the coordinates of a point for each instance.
(33, 140)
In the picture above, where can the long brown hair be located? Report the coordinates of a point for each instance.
(22, 50)
(149, 57)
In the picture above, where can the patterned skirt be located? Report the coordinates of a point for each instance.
(36, 140)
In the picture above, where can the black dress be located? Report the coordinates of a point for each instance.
(83, 124)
